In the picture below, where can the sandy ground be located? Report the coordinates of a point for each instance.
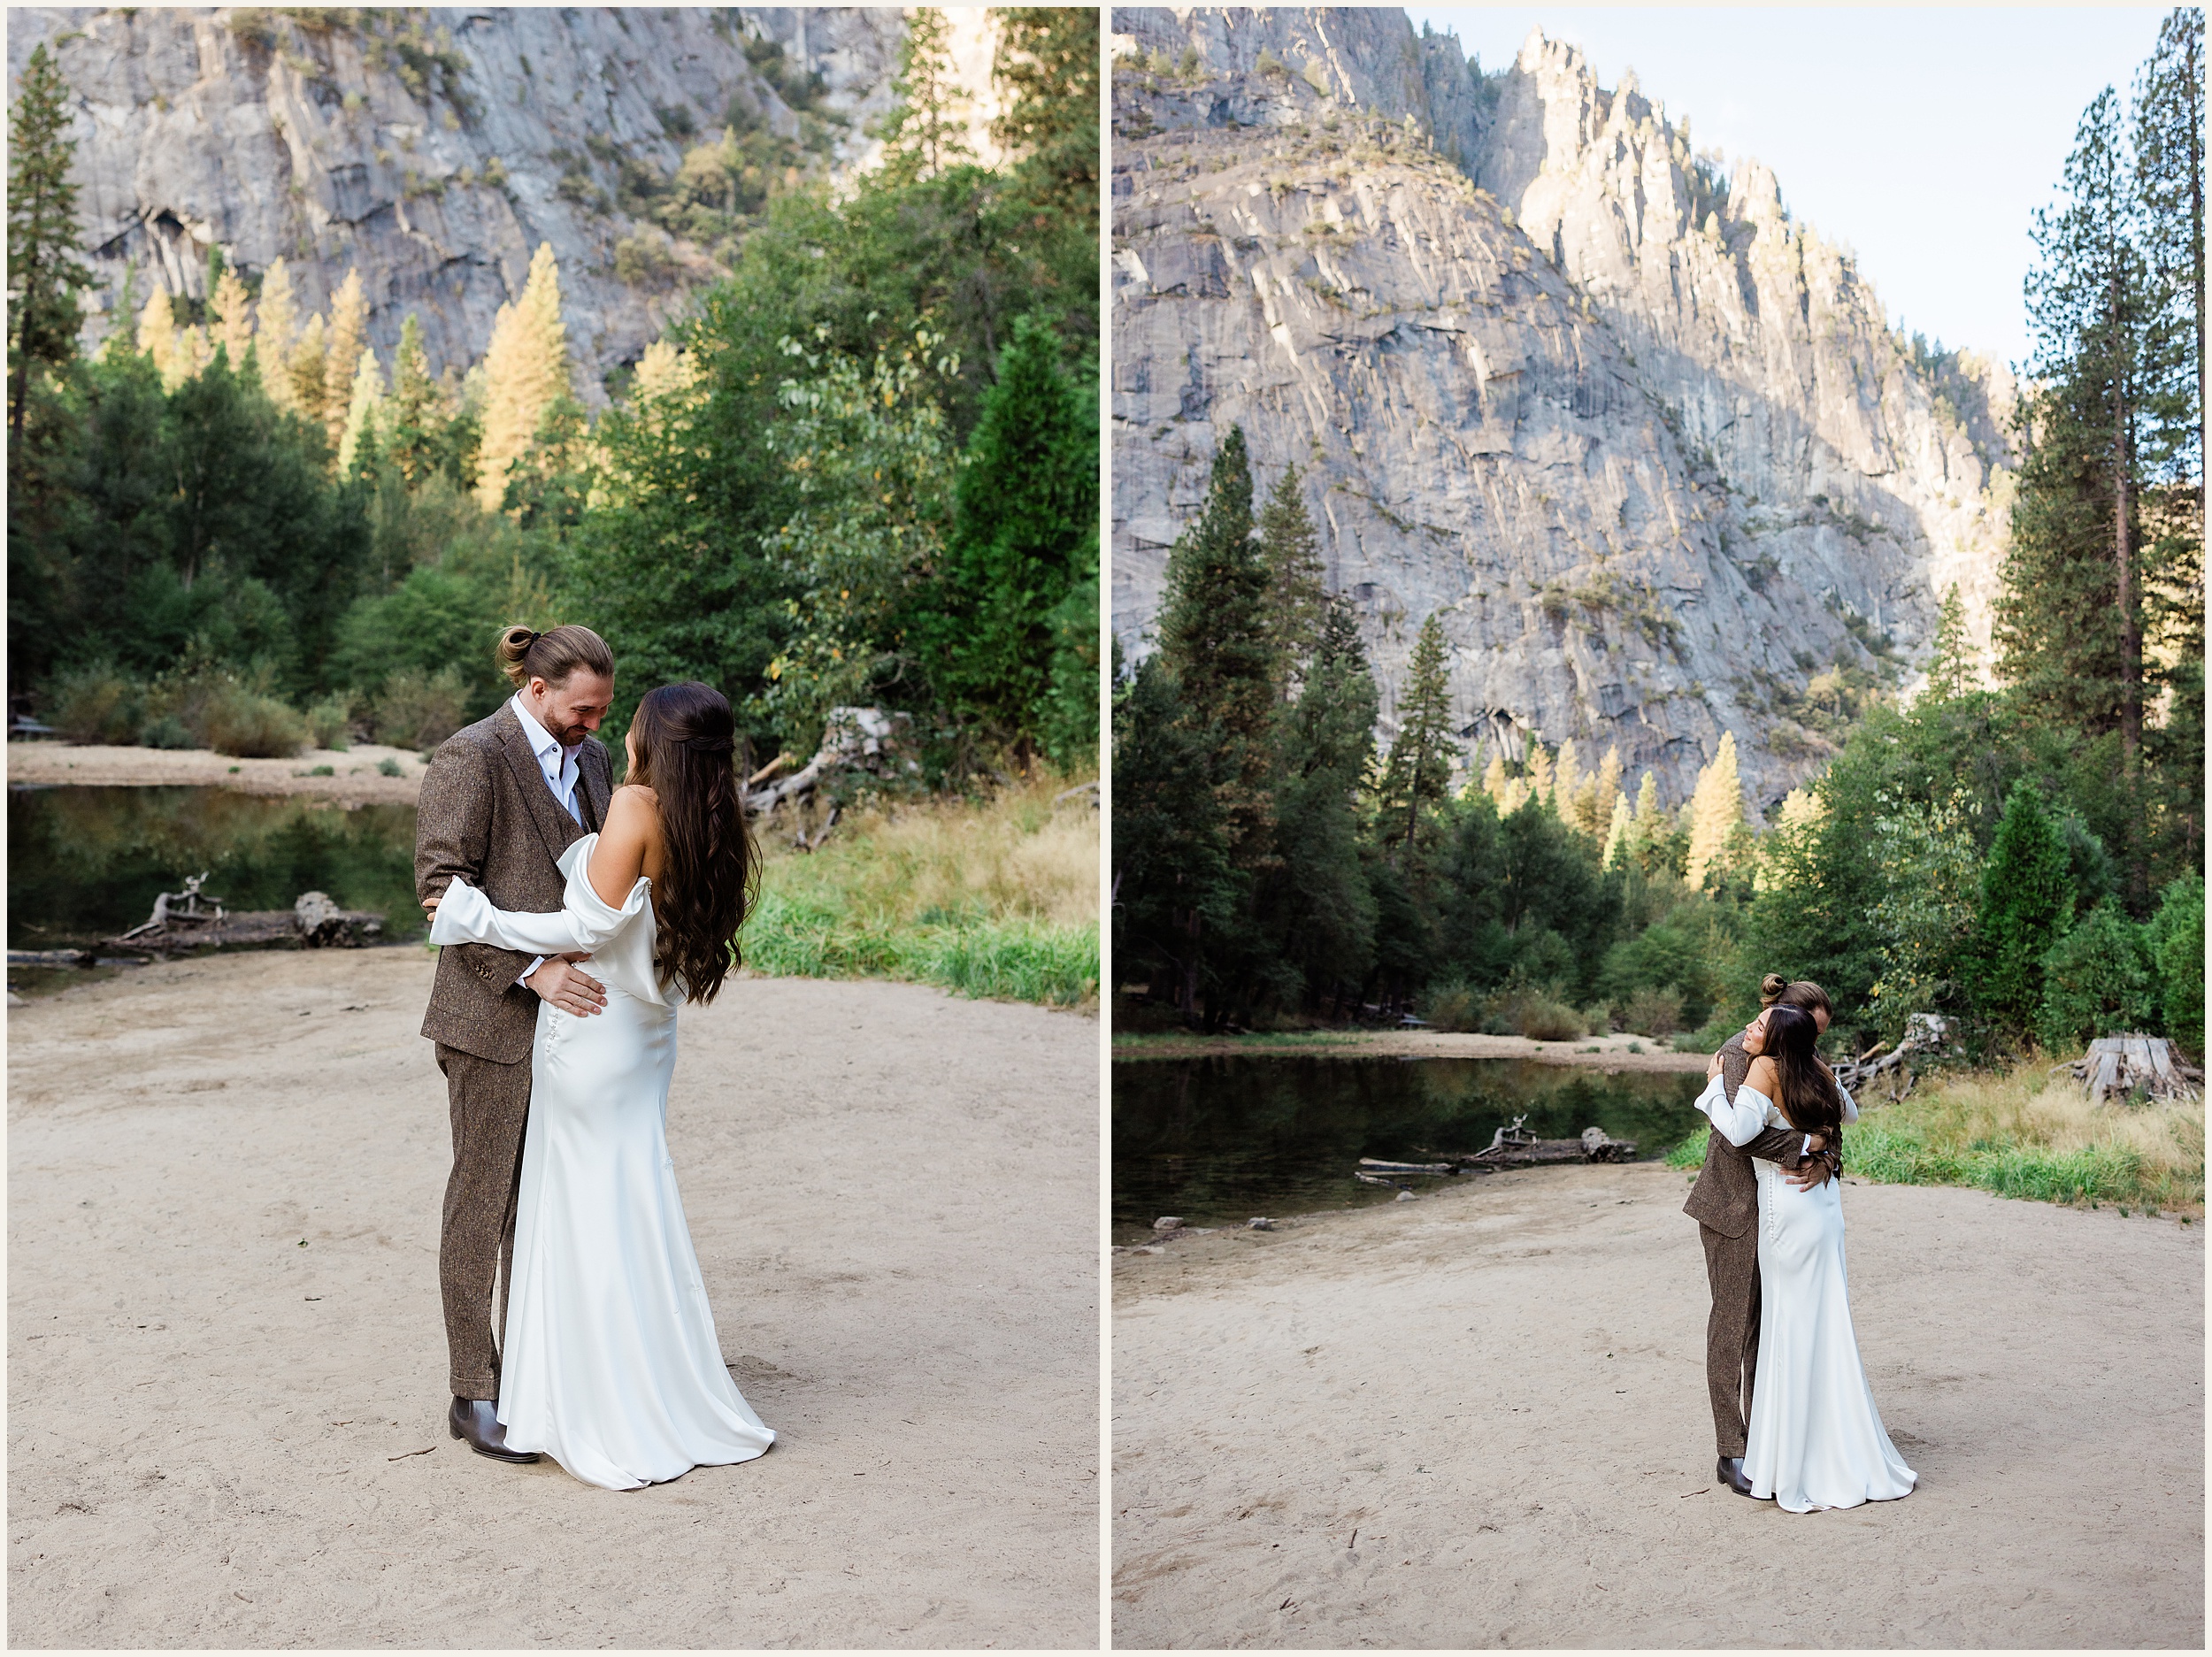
(225, 1342)
(1481, 1420)
(354, 779)
(1615, 1051)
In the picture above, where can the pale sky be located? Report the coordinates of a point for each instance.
(1921, 137)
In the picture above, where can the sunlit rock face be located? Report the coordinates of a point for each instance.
(437, 173)
(1645, 445)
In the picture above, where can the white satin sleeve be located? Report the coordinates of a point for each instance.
(1850, 1105)
(585, 922)
(466, 916)
(1739, 1123)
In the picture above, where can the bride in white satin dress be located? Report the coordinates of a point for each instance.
(610, 1362)
(1816, 1438)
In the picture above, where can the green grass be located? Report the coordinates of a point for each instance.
(2021, 1134)
(991, 898)
(1017, 959)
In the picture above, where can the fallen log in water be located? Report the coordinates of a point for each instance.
(1594, 1146)
(1375, 1167)
(315, 922)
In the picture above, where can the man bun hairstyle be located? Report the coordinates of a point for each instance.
(1804, 994)
(524, 654)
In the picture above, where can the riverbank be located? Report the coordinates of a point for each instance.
(353, 777)
(1480, 1419)
(1615, 1052)
(226, 1364)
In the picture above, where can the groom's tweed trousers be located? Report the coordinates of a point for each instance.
(486, 814)
(1725, 1202)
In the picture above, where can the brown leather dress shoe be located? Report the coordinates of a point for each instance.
(476, 1421)
(1729, 1470)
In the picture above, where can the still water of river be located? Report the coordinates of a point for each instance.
(85, 864)
(1218, 1140)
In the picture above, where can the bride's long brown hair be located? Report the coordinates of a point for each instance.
(686, 743)
(1805, 1090)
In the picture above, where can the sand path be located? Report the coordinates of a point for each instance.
(1480, 1420)
(894, 1197)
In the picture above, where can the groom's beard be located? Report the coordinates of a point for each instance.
(566, 735)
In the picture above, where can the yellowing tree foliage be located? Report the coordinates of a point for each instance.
(526, 369)
(1716, 811)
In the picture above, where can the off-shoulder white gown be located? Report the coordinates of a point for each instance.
(610, 1364)
(1816, 1438)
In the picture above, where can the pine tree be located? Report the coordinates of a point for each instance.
(2027, 902)
(1494, 779)
(1419, 769)
(1319, 908)
(234, 312)
(157, 339)
(925, 134)
(1543, 776)
(1620, 832)
(525, 373)
(1296, 597)
(2170, 115)
(1216, 650)
(1046, 64)
(43, 273)
(1608, 787)
(1950, 670)
(1024, 536)
(348, 339)
(303, 372)
(1567, 781)
(1650, 830)
(2070, 616)
(411, 409)
(1715, 812)
(278, 316)
(365, 407)
(663, 372)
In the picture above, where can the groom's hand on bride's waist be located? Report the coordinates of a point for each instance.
(563, 984)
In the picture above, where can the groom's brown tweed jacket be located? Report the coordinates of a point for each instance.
(487, 815)
(1726, 1195)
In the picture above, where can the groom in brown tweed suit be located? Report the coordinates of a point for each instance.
(1725, 1202)
(500, 803)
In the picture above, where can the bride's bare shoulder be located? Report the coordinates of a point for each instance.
(1762, 1075)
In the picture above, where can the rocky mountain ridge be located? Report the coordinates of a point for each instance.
(1648, 443)
(435, 148)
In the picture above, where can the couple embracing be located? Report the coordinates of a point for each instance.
(1792, 1414)
(574, 920)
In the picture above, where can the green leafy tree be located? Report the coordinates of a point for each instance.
(1931, 870)
(44, 271)
(2027, 903)
(2098, 980)
(1046, 65)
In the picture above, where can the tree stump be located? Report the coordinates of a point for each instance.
(2120, 1064)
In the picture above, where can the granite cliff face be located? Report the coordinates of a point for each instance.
(436, 149)
(1646, 444)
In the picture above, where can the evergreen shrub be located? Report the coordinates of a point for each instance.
(2098, 980)
(1652, 1012)
(420, 711)
(328, 723)
(2176, 940)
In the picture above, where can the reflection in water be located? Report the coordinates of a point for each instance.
(1218, 1140)
(85, 864)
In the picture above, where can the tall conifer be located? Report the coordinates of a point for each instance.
(1715, 812)
(927, 132)
(2027, 903)
(277, 320)
(44, 274)
(348, 339)
(1418, 772)
(525, 371)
